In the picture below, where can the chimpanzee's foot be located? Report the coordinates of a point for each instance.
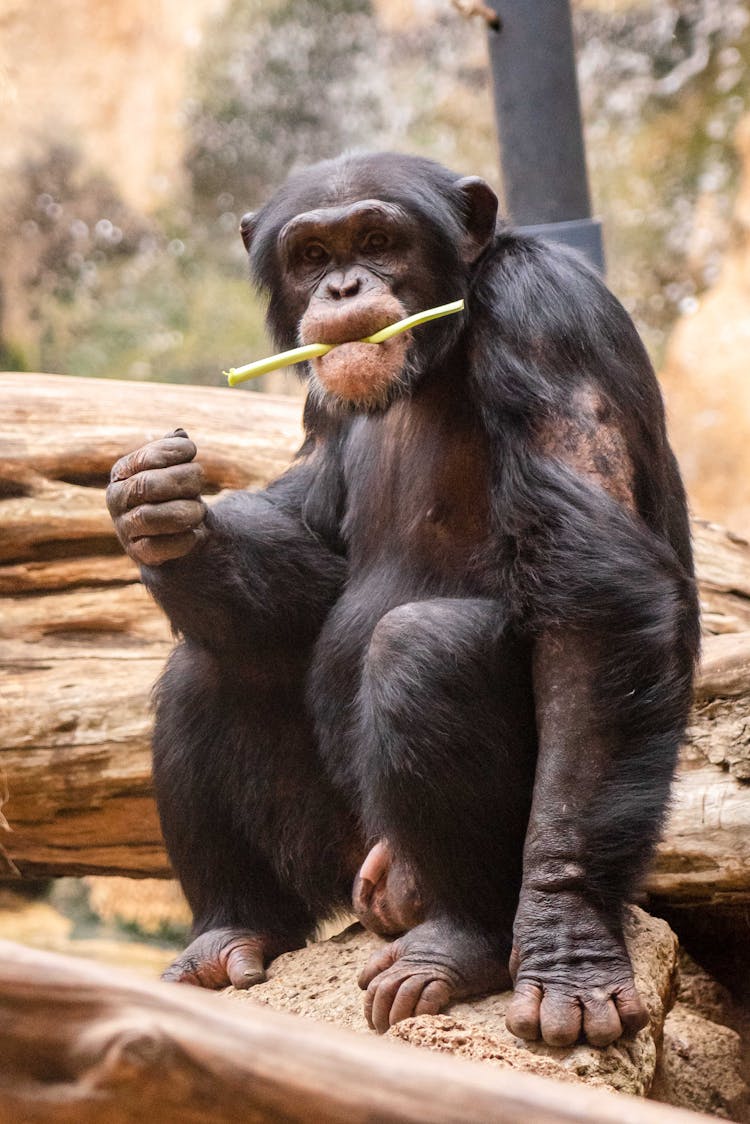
(587, 992)
(427, 968)
(226, 956)
(385, 896)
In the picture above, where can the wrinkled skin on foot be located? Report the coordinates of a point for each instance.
(225, 956)
(427, 968)
(572, 974)
(385, 897)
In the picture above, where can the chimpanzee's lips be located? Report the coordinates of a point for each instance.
(355, 319)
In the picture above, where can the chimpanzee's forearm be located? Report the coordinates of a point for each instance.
(259, 578)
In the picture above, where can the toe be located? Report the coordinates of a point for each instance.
(435, 996)
(245, 966)
(379, 962)
(182, 971)
(379, 1001)
(522, 1018)
(631, 1009)
(560, 1018)
(407, 998)
(601, 1022)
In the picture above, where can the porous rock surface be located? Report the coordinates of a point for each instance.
(701, 1065)
(320, 982)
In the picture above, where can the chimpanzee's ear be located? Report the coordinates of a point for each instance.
(480, 205)
(247, 228)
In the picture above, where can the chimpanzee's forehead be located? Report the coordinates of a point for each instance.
(391, 177)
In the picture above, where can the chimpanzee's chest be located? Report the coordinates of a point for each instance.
(418, 489)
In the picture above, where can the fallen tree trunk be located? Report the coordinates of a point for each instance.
(82, 1043)
(81, 643)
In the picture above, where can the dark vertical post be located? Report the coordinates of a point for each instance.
(539, 123)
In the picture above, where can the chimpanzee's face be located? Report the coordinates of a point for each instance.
(346, 267)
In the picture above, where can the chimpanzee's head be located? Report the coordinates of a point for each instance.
(352, 245)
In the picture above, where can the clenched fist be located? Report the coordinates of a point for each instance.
(154, 500)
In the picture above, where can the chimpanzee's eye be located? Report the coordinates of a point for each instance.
(315, 253)
(376, 242)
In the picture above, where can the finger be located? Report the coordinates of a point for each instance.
(631, 1009)
(169, 518)
(560, 1018)
(379, 962)
(601, 1022)
(245, 966)
(156, 485)
(163, 548)
(156, 454)
(434, 997)
(522, 1018)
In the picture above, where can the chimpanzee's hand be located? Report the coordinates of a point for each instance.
(154, 500)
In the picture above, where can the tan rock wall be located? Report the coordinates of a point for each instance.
(105, 75)
(706, 380)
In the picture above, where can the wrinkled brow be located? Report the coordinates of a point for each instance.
(328, 219)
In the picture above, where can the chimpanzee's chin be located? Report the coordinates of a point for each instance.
(362, 376)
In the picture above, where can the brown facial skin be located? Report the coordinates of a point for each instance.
(344, 262)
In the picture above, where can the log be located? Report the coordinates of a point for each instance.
(83, 1043)
(81, 643)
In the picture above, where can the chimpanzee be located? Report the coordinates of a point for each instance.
(443, 663)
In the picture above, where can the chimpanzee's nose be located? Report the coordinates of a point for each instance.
(343, 285)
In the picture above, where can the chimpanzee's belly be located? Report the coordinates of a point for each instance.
(418, 496)
(416, 527)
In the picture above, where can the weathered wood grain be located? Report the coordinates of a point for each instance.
(81, 643)
(81, 1043)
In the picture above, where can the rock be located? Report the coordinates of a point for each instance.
(701, 1067)
(702, 994)
(320, 982)
(701, 1064)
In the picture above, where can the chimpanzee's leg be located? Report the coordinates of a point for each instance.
(262, 844)
(446, 769)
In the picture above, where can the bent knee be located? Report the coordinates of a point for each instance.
(420, 637)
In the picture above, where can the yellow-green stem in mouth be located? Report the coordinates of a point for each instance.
(237, 375)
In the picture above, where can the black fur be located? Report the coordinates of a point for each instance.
(356, 656)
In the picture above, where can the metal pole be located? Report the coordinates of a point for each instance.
(542, 155)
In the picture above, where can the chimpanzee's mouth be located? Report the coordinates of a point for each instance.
(351, 321)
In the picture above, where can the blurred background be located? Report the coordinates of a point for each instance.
(134, 135)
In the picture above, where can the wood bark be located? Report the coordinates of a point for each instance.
(83, 1043)
(81, 644)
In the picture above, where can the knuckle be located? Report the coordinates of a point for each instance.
(121, 469)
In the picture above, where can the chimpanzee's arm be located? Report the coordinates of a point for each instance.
(585, 491)
(254, 571)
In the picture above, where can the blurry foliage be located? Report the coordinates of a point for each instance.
(112, 294)
(663, 87)
(280, 83)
